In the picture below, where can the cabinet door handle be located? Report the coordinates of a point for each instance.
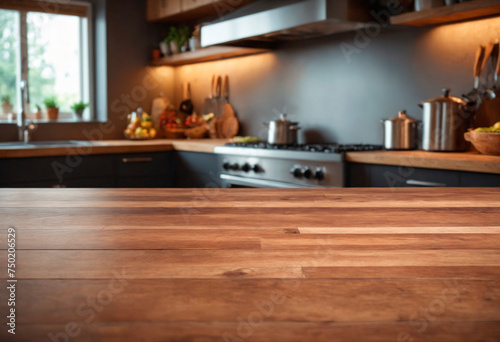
(423, 183)
(138, 160)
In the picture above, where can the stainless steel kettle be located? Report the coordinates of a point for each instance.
(282, 131)
(445, 120)
(400, 132)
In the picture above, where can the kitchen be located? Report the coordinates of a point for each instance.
(335, 97)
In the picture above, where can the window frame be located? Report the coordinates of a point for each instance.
(86, 58)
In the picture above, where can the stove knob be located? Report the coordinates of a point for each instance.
(235, 167)
(246, 167)
(256, 168)
(307, 173)
(226, 166)
(319, 174)
(296, 172)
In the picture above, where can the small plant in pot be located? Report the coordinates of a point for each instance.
(171, 40)
(184, 34)
(178, 39)
(78, 108)
(6, 105)
(52, 108)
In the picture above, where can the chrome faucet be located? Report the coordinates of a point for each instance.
(24, 126)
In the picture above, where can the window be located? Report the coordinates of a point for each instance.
(47, 44)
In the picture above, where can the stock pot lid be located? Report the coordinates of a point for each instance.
(446, 98)
(284, 121)
(402, 117)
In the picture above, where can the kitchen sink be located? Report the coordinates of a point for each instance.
(35, 144)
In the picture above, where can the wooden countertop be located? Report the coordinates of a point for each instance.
(466, 161)
(117, 146)
(254, 265)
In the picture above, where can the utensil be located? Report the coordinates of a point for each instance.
(222, 101)
(496, 75)
(478, 65)
(400, 132)
(487, 76)
(282, 131)
(186, 106)
(228, 124)
(218, 102)
(208, 104)
(445, 120)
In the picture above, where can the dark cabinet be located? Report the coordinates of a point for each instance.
(479, 179)
(49, 172)
(196, 170)
(371, 175)
(144, 170)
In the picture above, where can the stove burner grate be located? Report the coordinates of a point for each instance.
(324, 148)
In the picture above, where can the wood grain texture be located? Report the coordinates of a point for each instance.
(288, 331)
(286, 265)
(116, 146)
(465, 161)
(447, 14)
(212, 53)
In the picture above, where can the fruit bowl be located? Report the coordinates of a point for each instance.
(175, 133)
(484, 142)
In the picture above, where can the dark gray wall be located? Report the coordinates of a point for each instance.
(122, 56)
(340, 100)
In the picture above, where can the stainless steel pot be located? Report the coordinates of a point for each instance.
(400, 132)
(282, 131)
(445, 120)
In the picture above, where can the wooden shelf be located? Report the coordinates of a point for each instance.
(180, 11)
(206, 55)
(447, 14)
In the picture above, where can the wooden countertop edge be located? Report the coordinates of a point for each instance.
(467, 161)
(117, 146)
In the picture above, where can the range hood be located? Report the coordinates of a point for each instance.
(276, 21)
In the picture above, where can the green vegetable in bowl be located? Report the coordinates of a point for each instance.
(493, 129)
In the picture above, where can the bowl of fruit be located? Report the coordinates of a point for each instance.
(172, 125)
(485, 139)
(197, 127)
(140, 127)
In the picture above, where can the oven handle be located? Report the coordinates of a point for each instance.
(258, 183)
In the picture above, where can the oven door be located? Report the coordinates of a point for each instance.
(230, 181)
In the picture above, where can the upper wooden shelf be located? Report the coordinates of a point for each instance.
(447, 14)
(207, 54)
(175, 11)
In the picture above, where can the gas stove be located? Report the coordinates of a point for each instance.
(263, 165)
(326, 148)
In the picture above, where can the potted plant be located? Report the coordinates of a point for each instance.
(183, 36)
(78, 108)
(6, 105)
(171, 40)
(52, 108)
(38, 114)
